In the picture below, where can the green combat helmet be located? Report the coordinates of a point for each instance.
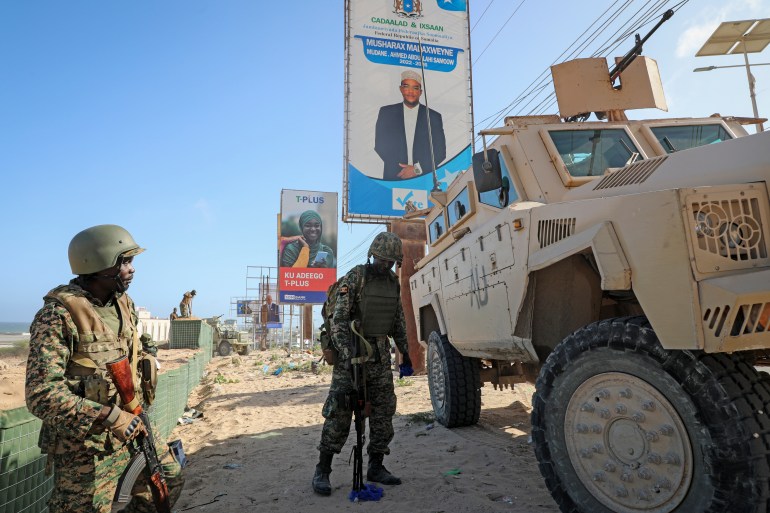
(99, 247)
(148, 345)
(386, 246)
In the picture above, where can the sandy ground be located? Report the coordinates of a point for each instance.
(254, 449)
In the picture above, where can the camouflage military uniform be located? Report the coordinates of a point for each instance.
(379, 376)
(185, 306)
(87, 459)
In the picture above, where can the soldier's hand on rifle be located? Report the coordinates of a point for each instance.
(124, 425)
(405, 369)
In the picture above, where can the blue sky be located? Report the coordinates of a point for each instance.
(183, 120)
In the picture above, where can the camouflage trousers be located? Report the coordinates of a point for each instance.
(338, 413)
(85, 480)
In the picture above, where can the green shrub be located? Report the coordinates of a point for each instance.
(423, 417)
(404, 382)
(221, 379)
(19, 348)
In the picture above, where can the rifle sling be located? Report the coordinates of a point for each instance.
(368, 351)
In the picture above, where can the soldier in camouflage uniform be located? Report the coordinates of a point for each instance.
(369, 294)
(185, 306)
(82, 326)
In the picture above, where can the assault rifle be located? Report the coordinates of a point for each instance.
(359, 402)
(120, 371)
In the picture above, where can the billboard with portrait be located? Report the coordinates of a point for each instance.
(247, 307)
(409, 125)
(307, 246)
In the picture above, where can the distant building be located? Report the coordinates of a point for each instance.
(155, 326)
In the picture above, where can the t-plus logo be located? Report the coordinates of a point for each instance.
(310, 199)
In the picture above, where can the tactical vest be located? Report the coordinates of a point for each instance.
(96, 344)
(378, 303)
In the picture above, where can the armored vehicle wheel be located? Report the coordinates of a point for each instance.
(454, 382)
(245, 350)
(621, 425)
(224, 348)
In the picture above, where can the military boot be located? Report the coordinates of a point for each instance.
(321, 484)
(377, 472)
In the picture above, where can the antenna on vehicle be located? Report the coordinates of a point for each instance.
(436, 187)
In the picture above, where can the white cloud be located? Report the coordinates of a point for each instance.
(707, 20)
(204, 209)
(693, 38)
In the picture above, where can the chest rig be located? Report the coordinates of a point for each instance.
(95, 345)
(378, 303)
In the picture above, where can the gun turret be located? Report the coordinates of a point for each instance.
(637, 49)
(617, 69)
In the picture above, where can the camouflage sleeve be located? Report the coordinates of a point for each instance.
(341, 319)
(399, 330)
(134, 325)
(47, 394)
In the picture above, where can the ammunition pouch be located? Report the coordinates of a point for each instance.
(95, 388)
(330, 356)
(149, 377)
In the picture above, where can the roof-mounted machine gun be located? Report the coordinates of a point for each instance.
(636, 51)
(624, 63)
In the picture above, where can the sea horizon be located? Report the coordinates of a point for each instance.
(14, 328)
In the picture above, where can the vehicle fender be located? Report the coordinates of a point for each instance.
(430, 318)
(602, 240)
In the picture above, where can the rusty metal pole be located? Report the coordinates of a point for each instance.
(307, 325)
(412, 235)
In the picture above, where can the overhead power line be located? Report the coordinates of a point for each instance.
(482, 14)
(603, 36)
(499, 30)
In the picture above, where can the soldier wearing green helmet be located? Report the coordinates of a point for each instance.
(370, 295)
(82, 326)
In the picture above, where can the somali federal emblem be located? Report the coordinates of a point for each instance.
(408, 8)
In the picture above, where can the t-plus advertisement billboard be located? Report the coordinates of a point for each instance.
(307, 246)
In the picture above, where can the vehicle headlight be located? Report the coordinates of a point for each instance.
(709, 222)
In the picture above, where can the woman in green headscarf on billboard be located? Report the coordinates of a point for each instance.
(307, 250)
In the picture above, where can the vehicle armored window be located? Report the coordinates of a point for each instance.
(459, 207)
(437, 228)
(591, 152)
(681, 137)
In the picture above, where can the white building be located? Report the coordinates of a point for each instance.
(155, 326)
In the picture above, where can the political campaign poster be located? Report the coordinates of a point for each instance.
(268, 288)
(247, 307)
(409, 125)
(307, 246)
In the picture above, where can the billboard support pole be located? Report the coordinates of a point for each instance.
(307, 325)
(412, 235)
(427, 115)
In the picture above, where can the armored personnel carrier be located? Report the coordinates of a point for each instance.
(227, 338)
(624, 266)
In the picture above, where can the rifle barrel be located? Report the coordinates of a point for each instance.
(636, 51)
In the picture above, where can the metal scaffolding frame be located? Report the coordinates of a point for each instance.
(261, 281)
